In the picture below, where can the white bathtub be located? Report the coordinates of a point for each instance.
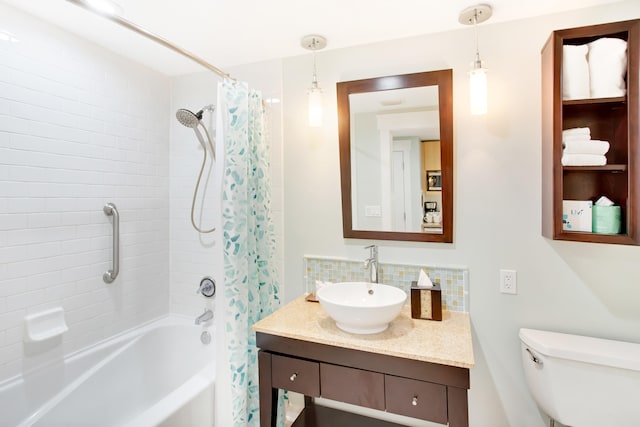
(145, 377)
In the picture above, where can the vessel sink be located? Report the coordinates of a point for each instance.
(361, 307)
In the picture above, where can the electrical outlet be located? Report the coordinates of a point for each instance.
(508, 282)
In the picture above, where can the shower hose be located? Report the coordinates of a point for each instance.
(195, 191)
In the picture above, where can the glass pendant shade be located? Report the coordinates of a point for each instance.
(478, 90)
(315, 107)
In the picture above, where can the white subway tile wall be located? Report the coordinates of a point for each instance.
(79, 127)
(193, 255)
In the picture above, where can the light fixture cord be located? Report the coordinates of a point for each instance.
(314, 82)
(478, 62)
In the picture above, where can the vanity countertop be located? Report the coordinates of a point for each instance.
(447, 342)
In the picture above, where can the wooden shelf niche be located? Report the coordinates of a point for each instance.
(610, 119)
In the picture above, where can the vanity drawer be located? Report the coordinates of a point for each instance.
(301, 376)
(416, 399)
(355, 386)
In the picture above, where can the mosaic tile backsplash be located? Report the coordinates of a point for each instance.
(454, 282)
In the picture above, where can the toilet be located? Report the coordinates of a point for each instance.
(583, 381)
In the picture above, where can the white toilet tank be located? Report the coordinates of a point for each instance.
(583, 381)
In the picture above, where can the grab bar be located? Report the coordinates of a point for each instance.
(110, 275)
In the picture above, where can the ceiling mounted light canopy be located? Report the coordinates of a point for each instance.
(313, 43)
(475, 15)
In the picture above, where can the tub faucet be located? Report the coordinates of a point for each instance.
(372, 263)
(207, 315)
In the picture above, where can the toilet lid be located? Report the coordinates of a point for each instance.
(597, 351)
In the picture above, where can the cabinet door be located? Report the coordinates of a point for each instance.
(301, 376)
(416, 399)
(355, 386)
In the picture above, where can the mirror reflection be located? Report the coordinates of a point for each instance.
(396, 161)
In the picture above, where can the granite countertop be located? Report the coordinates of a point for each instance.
(447, 342)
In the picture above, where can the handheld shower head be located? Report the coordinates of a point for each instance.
(193, 120)
(187, 118)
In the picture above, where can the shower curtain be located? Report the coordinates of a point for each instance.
(251, 288)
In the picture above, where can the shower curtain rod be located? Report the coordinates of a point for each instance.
(151, 36)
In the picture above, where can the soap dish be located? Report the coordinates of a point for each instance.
(45, 325)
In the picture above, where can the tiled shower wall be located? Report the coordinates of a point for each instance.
(454, 281)
(194, 256)
(79, 127)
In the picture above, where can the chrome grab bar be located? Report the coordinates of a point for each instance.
(110, 275)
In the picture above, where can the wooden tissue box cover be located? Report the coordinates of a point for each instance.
(426, 303)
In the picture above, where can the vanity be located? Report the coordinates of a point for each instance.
(417, 368)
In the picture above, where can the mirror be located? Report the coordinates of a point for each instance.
(396, 157)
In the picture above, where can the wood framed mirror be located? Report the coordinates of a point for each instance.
(396, 157)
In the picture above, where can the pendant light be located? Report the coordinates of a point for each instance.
(478, 75)
(313, 43)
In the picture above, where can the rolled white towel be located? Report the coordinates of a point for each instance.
(592, 146)
(575, 72)
(607, 67)
(577, 131)
(583, 160)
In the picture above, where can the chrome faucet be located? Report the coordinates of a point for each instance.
(372, 263)
(206, 316)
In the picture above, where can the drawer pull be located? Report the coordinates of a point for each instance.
(293, 376)
(414, 401)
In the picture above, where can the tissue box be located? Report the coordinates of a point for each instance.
(607, 219)
(577, 215)
(426, 303)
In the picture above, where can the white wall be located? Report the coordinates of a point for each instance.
(79, 127)
(573, 287)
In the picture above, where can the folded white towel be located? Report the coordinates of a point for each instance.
(577, 131)
(583, 160)
(592, 146)
(575, 138)
(575, 72)
(607, 67)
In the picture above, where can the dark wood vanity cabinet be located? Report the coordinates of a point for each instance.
(615, 120)
(413, 388)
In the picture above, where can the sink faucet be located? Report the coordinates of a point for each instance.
(372, 263)
(207, 315)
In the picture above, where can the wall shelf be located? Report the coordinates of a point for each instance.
(614, 100)
(605, 168)
(613, 119)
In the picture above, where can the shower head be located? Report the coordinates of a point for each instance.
(192, 120)
(188, 119)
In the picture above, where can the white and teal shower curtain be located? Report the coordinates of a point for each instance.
(251, 288)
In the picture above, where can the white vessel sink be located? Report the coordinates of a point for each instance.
(361, 307)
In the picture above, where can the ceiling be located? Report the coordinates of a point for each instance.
(234, 32)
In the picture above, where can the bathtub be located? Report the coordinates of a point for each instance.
(149, 376)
